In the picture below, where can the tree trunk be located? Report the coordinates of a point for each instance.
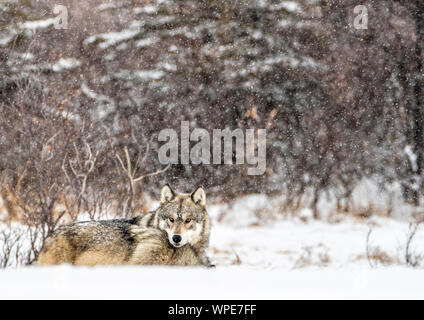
(418, 112)
(314, 204)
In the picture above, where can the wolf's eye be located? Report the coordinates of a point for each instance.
(171, 219)
(188, 221)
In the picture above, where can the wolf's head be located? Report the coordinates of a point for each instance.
(183, 217)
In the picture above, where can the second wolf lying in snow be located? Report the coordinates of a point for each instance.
(177, 233)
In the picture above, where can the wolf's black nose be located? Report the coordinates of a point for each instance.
(176, 238)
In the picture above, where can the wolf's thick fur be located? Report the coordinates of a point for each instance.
(146, 239)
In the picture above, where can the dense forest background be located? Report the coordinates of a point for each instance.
(81, 107)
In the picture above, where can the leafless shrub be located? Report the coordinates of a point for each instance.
(10, 247)
(375, 255)
(412, 258)
(378, 256)
(313, 255)
(132, 169)
(79, 167)
(237, 260)
(17, 246)
(368, 249)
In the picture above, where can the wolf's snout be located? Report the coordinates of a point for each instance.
(176, 238)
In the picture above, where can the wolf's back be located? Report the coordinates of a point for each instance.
(89, 243)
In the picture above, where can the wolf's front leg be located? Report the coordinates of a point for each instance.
(204, 260)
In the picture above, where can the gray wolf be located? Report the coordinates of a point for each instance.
(176, 233)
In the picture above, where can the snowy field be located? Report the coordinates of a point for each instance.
(256, 258)
(235, 282)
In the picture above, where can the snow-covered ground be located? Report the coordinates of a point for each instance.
(293, 244)
(235, 282)
(250, 234)
(257, 256)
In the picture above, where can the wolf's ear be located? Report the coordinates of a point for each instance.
(199, 196)
(166, 194)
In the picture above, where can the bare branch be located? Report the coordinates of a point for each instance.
(152, 174)
(64, 170)
(368, 248)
